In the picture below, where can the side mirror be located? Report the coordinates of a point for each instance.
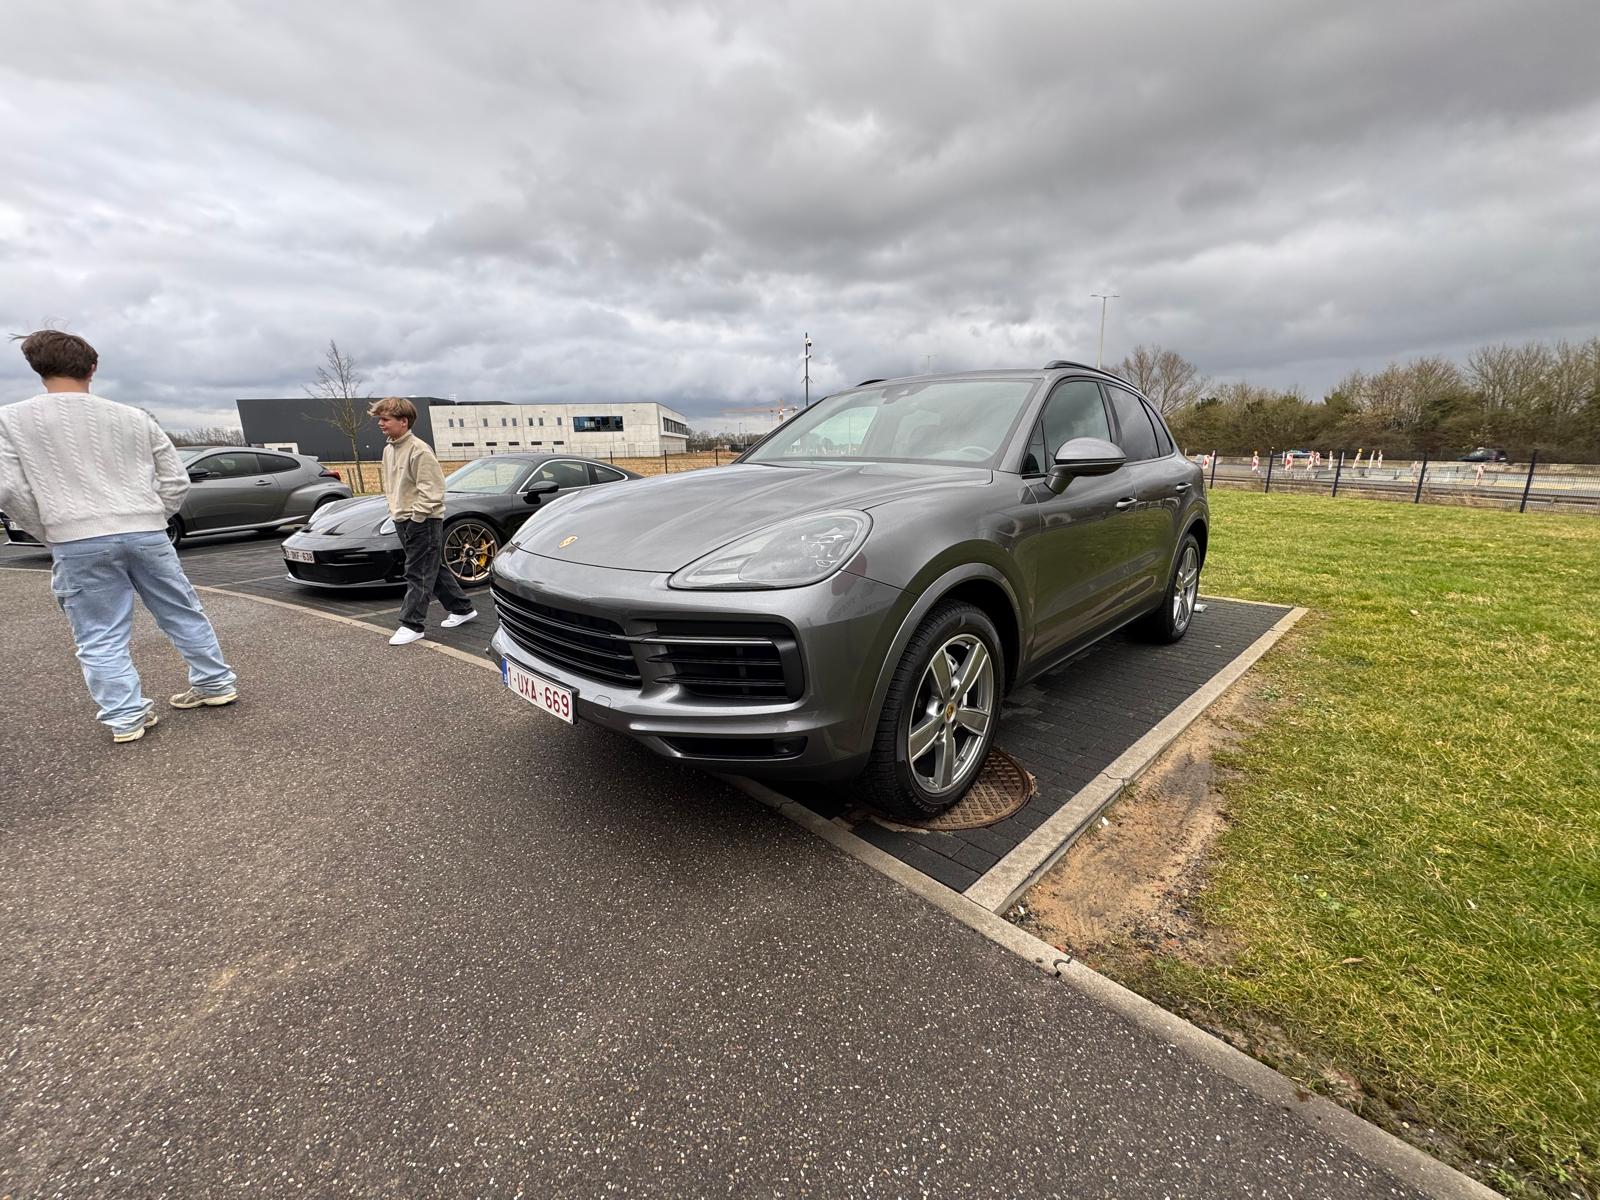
(199, 473)
(536, 492)
(1083, 456)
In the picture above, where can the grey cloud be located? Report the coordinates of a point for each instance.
(656, 199)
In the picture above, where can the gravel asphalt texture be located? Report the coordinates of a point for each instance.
(382, 929)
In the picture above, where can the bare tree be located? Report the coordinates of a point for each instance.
(209, 435)
(1166, 376)
(339, 383)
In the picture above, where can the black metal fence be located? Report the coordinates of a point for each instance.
(1526, 487)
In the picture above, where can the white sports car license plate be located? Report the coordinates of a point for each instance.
(299, 555)
(541, 693)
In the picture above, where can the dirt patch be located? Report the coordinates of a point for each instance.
(1126, 888)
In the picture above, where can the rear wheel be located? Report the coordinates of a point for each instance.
(940, 714)
(174, 531)
(469, 547)
(1171, 621)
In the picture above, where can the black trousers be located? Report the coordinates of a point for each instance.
(426, 574)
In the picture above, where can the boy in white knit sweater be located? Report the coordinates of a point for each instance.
(96, 482)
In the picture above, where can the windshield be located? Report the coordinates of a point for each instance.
(958, 421)
(487, 476)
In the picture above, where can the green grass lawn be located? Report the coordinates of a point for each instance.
(1411, 875)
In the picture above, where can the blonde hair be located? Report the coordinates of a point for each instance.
(394, 406)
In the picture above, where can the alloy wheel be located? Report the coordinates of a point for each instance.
(1185, 588)
(469, 548)
(952, 715)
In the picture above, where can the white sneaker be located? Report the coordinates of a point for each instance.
(455, 619)
(404, 636)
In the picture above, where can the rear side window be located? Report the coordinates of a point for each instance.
(275, 464)
(605, 474)
(1163, 438)
(1137, 436)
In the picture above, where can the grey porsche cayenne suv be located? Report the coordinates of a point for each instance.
(854, 596)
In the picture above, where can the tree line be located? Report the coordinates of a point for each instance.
(1537, 396)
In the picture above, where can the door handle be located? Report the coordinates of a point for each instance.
(263, 483)
(1127, 502)
(1180, 488)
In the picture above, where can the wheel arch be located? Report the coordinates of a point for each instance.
(978, 584)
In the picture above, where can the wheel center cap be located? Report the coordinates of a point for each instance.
(950, 711)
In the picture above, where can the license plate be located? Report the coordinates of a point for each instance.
(299, 555)
(541, 693)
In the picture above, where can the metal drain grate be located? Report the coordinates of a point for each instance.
(1002, 788)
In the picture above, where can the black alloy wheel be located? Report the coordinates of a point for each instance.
(470, 545)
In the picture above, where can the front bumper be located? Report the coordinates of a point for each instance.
(344, 560)
(632, 642)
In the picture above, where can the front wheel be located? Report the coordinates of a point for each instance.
(469, 547)
(940, 714)
(1171, 621)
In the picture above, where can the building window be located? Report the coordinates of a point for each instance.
(541, 420)
(558, 420)
(502, 422)
(535, 443)
(558, 443)
(513, 443)
(596, 424)
(491, 443)
(668, 425)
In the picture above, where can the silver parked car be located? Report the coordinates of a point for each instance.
(857, 593)
(234, 488)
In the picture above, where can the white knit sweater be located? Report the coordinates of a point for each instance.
(78, 466)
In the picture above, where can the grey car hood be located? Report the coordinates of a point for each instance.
(666, 522)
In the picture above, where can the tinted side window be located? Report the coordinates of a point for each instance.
(1163, 438)
(606, 474)
(564, 473)
(275, 464)
(1036, 460)
(1074, 410)
(233, 465)
(1138, 439)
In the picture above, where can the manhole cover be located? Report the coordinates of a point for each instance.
(1002, 788)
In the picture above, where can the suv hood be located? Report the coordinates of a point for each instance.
(664, 523)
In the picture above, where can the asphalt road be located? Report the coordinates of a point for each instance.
(426, 941)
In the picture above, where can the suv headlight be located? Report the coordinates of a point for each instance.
(793, 553)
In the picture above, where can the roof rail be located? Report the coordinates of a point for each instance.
(1067, 362)
(864, 382)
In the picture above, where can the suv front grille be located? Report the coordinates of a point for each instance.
(590, 646)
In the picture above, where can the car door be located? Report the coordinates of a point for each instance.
(228, 490)
(566, 473)
(288, 476)
(1151, 516)
(1075, 556)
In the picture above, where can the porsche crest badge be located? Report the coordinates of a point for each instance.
(565, 542)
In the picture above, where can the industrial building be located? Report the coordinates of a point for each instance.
(457, 431)
(592, 430)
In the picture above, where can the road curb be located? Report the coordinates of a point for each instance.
(1401, 1159)
(1002, 884)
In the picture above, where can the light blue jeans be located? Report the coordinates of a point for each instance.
(94, 581)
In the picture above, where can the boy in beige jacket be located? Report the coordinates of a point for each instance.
(413, 482)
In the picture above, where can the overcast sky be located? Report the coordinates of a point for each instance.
(618, 201)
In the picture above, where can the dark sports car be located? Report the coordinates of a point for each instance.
(353, 543)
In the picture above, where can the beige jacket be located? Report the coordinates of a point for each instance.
(413, 481)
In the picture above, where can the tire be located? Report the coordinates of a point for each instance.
(903, 782)
(470, 544)
(174, 531)
(1172, 619)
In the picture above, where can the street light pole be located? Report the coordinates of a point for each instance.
(808, 370)
(1099, 354)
